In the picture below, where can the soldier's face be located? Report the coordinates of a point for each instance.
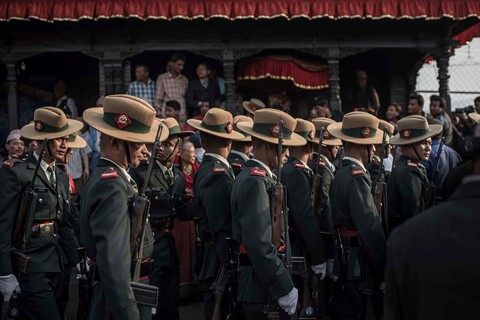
(168, 149)
(137, 153)
(57, 149)
(424, 148)
(15, 147)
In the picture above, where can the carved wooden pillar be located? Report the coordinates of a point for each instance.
(443, 63)
(229, 76)
(334, 78)
(12, 94)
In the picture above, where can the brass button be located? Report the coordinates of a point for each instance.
(40, 200)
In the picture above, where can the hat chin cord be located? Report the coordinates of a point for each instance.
(368, 147)
(416, 153)
(127, 150)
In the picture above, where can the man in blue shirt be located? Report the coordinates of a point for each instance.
(143, 87)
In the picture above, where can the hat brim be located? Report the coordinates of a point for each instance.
(94, 118)
(181, 134)
(294, 141)
(245, 106)
(335, 130)
(433, 130)
(330, 142)
(79, 143)
(29, 132)
(474, 116)
(234, 135)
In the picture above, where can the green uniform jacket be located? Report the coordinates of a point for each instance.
(353, 208)
(252, 227)
(212, 187)
(406, 190)
(297, 178)
(105, 227)
(237, 162)
(52, 204)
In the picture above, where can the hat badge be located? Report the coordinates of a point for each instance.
(229, 127)
(252, 106)
(38, 126)
(366, 132)
(122, 120)
(275, 130)
(406, 134)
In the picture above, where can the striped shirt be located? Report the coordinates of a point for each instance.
(75, 164)
(143, 91)
(171, 88)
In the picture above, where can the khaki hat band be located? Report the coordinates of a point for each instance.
(364, 133)
(412, 133)
(271, 129)
(46, 128)
(221, 128)
(326, 135)
(124, 122)
(306, 134)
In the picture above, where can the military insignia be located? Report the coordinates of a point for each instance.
(110, 174)
(7, 164)
(298, 165)
(326, 134)
(406, 134)
(357, 172)
(219, 169)
(229, 127)
(252, 107)
(412, 164)
(275, 130)
(122, 120)
(366, 132)
(322, 164)
(311, 135)
(236, 165)
(258, 172)
(38, 126)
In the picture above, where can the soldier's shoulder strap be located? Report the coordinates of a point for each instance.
(357, 171)
(218, 168)
(109, 173)
(255, 171)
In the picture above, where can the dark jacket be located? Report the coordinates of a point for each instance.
(196, 93)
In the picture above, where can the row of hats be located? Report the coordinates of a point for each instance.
(133, 119)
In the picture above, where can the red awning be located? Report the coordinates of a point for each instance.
(468, 34)
(74, 10)
(303, 74)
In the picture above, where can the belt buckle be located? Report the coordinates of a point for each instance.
(46, 230)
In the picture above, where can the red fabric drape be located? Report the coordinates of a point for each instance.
(468, 34)
(304, 74)
(53, 10)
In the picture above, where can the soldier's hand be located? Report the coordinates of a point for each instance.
(289, 302)
(330, 274)
(320, 270)
(9, 285)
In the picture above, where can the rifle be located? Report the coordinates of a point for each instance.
(84, 288)
(277, 199)
(379, 189)
(317, 181)
(431, 190)
(220, 286)
(144, 294)
(226, 281)
(307, 310)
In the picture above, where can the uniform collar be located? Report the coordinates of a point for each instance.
(122, 170)
(355, 161)
(219, 158)
(264, 166)
(163, 168)
(240, 154)
(330, 165)
(44, 165)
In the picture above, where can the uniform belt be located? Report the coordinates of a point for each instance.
(44, 229)
(145, 266)
(162, 225)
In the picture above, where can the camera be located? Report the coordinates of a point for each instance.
(466, 110)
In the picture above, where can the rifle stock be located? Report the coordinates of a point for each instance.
(220, 286)
(317, 180)
(307, 310)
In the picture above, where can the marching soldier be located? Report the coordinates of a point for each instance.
(168, 200)
(50, 237)
(212, 188)
(126, 123)
(262, 276)
(358, 227)
(241, 149)
(374, 166)
(407, 184)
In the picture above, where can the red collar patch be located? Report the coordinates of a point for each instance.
(7, 163)
(406, 134)
(219, 169)
(298, 165)
(122, 120)
(322, 164)
(110, 174)
(366, 132)
(258, 172)
(358, 172)
(275, 130)
(236, 165)
(229, 127)
(412, 164)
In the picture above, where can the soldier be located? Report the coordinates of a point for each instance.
(51, 236)
(407, 184)
(304, 236)
(212, 188)
(355, 217)
(241, 149)
(374, 166)
(262, 276)
(433, 258)
(166, 191)
(126, 123)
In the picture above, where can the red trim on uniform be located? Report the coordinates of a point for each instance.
(8, 163)
(412, 164)
(241, 248)
(110, 174)
(219, 169)
(348, 233)
(322, 164)
(236, 165)
(357, 172)
(298, 165)
(258, 172)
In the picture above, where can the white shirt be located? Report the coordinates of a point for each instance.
(44, 165)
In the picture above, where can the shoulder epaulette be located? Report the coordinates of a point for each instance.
(8, 163)
(258, 172)
(218, 169)
(109, 174)
(236, 165)
(357, 172)
(412, 164)
(298, 165)
(322, 164)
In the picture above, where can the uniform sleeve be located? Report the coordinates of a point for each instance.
(253, 209)
(410, 191)
(216, 201)
(301, 212)
(185, 212)
(110, 226)
(10, 195)
(366, 221)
